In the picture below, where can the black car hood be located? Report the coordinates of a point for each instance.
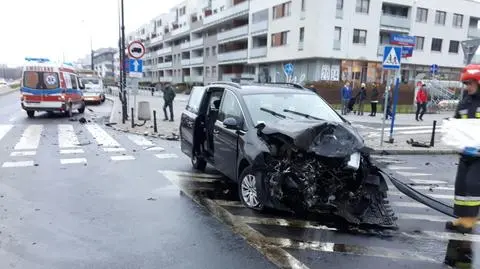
(324, 138)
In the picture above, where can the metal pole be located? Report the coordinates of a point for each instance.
(91, 52)
(395, 100)
(432, 140)
(122, 51)
(133, 122)
(155, 121)
(385, 103)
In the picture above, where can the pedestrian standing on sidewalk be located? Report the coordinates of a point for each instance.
(361, 96)
(168, 97)
(374, 101)
(467, 182)
(421, 99)
(346, 95)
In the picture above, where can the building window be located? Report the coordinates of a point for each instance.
(362, 6)
(279, 39)
(207, 52)
(207, 71)
(338, 33)
(457, 20)
(302, 34)
(182, 11)
(454, 46)
(214, 50)
(339, 4)
(359, 36)
(214, 72)
(303, 5)
(419, 41)
(422, 14)
(282, 10)
(260, 16)
(440, 17)
(437, 44)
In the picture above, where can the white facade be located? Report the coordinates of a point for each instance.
(332, 33)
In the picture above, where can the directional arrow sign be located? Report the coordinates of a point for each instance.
(135, 67)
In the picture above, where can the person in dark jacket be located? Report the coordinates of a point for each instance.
(361, 96)
(467, 182)
(346, 95)
(374, 101)
(168, 97)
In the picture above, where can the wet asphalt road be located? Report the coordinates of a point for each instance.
(100, 206)
(119, 201)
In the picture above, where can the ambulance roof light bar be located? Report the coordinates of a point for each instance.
(39, 60)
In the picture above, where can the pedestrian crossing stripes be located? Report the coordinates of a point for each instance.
(73, 141)
(404, 130)
(421, 236)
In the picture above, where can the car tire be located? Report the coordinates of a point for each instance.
(31, 113)
(198, 163)
(248, 190)
(82, 109)
(103, 98)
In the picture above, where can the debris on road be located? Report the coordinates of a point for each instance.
(82, 120)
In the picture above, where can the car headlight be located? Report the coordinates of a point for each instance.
(354, 161)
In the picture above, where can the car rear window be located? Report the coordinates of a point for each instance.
(195, 99)
(40, 80)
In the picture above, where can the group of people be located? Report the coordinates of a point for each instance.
(361, 97)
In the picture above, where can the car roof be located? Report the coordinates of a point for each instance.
(263, 88)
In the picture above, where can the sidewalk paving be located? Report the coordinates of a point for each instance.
(170, 130)
(6, 90)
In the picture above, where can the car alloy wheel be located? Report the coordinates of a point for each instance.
(249, 191)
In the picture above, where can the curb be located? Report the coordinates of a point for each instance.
(414, 152)
(8, 92)
(158, 135)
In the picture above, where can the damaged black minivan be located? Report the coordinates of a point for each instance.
(287, 149)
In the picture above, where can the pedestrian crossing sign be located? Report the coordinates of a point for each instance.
(392, 57)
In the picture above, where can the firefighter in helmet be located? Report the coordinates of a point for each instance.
(467, 182)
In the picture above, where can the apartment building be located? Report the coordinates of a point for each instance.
(207, 40)
(103, 62)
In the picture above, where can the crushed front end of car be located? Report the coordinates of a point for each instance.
(320, 166)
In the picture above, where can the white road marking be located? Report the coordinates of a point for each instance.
(122, 158)
(388, 161)
(30, 138)
(73, 161)
(435, 188)
(155, 149)
(427, 181)
(213, 177)
(140, 140)
(18, 164)
(411, 174)
(413, 128)
(4, 129)
(67, 137)
(71, 151)
(23, 153)
(437, 196)
(409, 204)
(166, 155)
(113, 149)
(101, 136)
(420, 132)
(393, 167)
(433, 218)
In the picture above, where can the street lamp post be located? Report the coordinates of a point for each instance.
(123, 76)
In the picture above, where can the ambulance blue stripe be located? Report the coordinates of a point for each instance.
(49, 91)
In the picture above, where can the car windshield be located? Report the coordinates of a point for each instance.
(86, 81)
(295, 106)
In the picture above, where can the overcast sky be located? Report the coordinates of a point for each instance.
(53, 28)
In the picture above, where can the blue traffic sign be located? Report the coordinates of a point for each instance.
(392, 57)
(135, 65)
(288, 68)
(434, 69)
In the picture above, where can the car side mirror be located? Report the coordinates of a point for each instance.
(231, 123)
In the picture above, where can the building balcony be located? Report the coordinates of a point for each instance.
(186, 79)
(196, 60)
(395, 21)
(196, 78)
(259, 27)
(166, 79)
(232, 56)
(185, 45)
(258, 52)
(337, 44)
(230, 77)
(156, 40)
(474, 32)
(300, 45)
(185, 62)
(196, 43)
(227, 13)
(180, 30)
(339, 14)
(164, 51)
(235, 32)
(164, 65)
